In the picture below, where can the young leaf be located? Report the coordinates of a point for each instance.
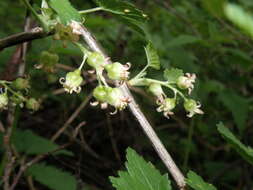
(244, 151)
(30, 143)
(171, 75)
(127, 13)
(52, 177)
(196, 182)
(140, 175)
(65, 11)
(152, 57)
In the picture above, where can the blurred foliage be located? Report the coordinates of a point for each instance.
(196, 36)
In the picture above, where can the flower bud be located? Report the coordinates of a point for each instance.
(32, 104)
(72, 81)
(156, 89)
(21, 84)
(48, 61)
(3, 100)
(117, 71)
(100, 93)
(192, 107)
(96, 60)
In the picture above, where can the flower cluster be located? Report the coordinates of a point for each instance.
(112, 96)
(15, 93)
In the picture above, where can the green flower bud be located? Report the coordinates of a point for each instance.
(156, 89)
(21, 84)
(72, 81)
(96, 60)
(192, 107)
(186, 82)
(48, 61)
(3, 100)
(32, 104)
(100, 93)
(117, 71)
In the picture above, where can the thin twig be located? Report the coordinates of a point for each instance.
(71, 118)
(145, 125)
(38, 158)
(35, 33)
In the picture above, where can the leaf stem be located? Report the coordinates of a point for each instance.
(91, 10)
(36, 15)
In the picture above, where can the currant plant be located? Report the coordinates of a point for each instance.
(68, 27)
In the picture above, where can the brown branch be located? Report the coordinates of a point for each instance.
(35, 33)
(145, 125)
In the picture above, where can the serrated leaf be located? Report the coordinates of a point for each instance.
(65, 11)
(152, 57)
(140, 175)
(122, 8)
(239, 17)
(52, 177)
(245, 151)
(182, 40)
(197, 183)
(127, 13)
(232, 100)
(31, 144)
(171, 75)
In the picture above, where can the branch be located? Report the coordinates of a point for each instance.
(145, 125)
(35, 33)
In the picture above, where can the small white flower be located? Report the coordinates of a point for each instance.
(166, 106)
(186, 82)
(72, 82)
(192, 107)
(3, 100)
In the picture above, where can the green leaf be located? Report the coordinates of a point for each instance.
(140, 175)
(239, 17)
(245, 151)
(232, 100)
(65, 11)
(182, 40)
(196, 182)
(152, 57)
(172, 74)
(122, 8)
(52, 177)
(30, 143)
(215, 7)
(127, 13)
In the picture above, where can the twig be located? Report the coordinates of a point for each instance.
(71, 118)
(145, 125)
(35, 33)
(113, 141)
(38, 158)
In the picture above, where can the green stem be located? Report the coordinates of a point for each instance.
(82, 48)
(141, 74)
(82, 64)
(13, 92)
(146, 81)
(91, 10)
(188, 146)
(37, 16)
